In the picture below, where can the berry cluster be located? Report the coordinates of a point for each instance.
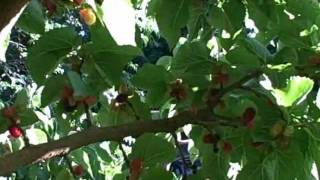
(248, 117)
(122, 99)
(178, 90)
(11, 114)
(78, 170)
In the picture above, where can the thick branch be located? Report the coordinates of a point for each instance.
(32, 154)
(9, 9)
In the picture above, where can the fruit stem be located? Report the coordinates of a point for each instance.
(25, 138)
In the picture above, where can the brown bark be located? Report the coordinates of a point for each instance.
(32, 154)
(9, 9)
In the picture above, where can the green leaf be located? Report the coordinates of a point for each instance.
(281, 164)
(101, 37)
(96, 77)
(262, 12)
(241, 57)
(260, 50)
(37, 136)
(308, 9)
(105, 60)
(165, 61)
(153, 150)
(157, 95)
(110, 115)
(149, 76)
(32, 19)
(230, 17)
(64, 126)
(95, 162)
(284, 164)
(297, 88)
(119, 177)
(103, 154)
(22, 100)
(64, 174)
(81, 157)
(140, 108)
(318, 99)
(28, 117)
(235, 13)
(192, 58)
(112, 60)
(196, 18)
(171, 16)
(214, 165)
(37, 172)
(45, 55)
(252, 171)
(4, 124)
(286, 55)
(156, 173)
(52, 89)
(289, 31)
(17, 144)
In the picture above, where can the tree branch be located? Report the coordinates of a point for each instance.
(9, 9)
(32, 154)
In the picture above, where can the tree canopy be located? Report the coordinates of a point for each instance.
(161, 89)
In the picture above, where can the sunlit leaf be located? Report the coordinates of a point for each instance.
(296, 90)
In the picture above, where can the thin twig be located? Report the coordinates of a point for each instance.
(125, 156)
(137, 117)
(208, 124)
(185, 164)
(25, 139)
(88, 115)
